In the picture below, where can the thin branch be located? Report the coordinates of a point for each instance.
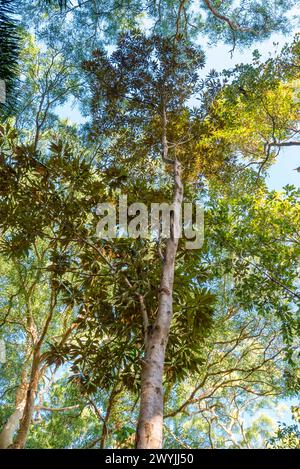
(55, 409)
(233, 26)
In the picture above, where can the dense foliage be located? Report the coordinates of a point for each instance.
(81, 315)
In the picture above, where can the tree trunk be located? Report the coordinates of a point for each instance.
(22, 434)
(13, 422)
(150, 424)
(110, 405)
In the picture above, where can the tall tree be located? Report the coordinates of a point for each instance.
(151, 80)
(154, 84)
(154, 145)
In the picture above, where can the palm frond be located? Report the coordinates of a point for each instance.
(9, 50)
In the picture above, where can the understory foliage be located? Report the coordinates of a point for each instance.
(71, 303)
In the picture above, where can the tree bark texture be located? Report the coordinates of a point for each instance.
(150, 424)
(13, 422)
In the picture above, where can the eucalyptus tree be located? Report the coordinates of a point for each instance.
(46, 82)
(233, 22)
(146, 88)
(80, 27)
(30, 315)
(91, 279)
(153, 146)
(256, 259)
(144, 106)
(240, 367)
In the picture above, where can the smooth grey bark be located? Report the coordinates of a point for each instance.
(13, 422)
(150, 424)
(30, 396)
(35, 375)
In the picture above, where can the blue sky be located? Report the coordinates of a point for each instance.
(219, 58)
(280, 174)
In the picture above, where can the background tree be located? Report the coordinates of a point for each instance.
(54, 175)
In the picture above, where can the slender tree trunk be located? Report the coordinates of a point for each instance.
(150, 424)
(110, 406)
(22, 434)
(13, 422)
(35, 375)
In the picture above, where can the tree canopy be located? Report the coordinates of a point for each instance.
(144, 341)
